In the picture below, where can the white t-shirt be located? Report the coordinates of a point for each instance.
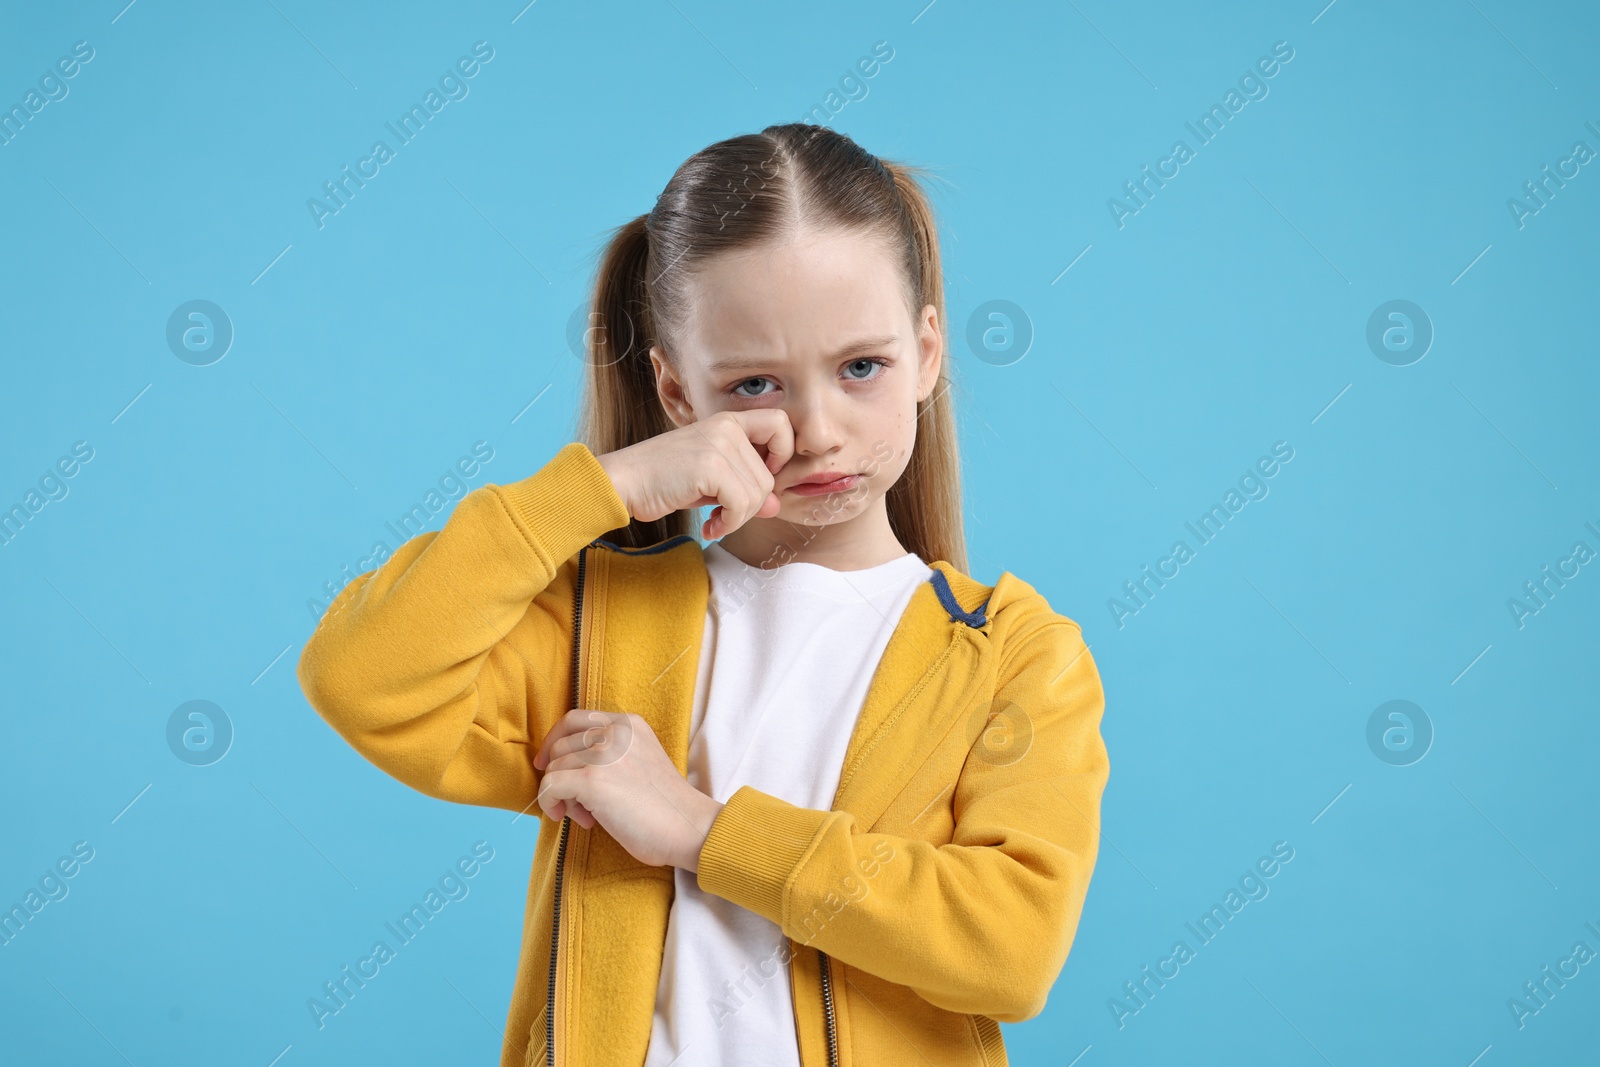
(785, 662)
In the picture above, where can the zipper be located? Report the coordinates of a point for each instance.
(827, 1007)
(566, 824)
(561, 852)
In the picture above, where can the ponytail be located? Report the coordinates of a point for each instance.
(620, 405)
(925, 504)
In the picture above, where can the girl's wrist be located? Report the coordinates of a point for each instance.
(615, 470)
(704, 814)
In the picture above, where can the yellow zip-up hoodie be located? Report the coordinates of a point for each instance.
(939, 896)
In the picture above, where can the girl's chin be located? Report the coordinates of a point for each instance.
(822, 510)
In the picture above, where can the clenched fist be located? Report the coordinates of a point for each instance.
(713, 461)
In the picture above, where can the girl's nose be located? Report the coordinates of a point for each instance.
(816, 430)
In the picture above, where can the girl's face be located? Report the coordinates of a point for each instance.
(817, 326)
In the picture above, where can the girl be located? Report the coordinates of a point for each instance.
(814, 795)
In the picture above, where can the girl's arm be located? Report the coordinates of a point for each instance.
(981, 925)
(448, 664)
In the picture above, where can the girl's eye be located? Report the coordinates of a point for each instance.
(738, 390)
(864, 365)
(870, 362)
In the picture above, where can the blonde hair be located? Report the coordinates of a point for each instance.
(737, 194)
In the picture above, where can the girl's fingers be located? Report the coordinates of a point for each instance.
(541, 757)
(745, 498)
(576, 721)
(557, 799)
(551, 799)
(560, 809)
(769, 429)
(585, 737)
(558, 793)
(765, 444)
(719, 524)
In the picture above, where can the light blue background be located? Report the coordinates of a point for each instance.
(1228, 314)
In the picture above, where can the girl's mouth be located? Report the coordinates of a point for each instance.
(838, 485)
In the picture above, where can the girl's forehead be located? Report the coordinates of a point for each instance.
(816, 296)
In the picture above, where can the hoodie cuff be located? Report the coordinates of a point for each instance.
(567, 503)
(754, 847)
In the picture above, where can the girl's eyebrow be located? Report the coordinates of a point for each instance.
(864, 344)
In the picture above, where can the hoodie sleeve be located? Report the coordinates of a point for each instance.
(448, 664)
(983, 924)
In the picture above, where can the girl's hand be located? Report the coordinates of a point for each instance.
(727, 459)
(609, 768)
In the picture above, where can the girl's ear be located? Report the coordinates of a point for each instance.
(669, 387)
(930, 352)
